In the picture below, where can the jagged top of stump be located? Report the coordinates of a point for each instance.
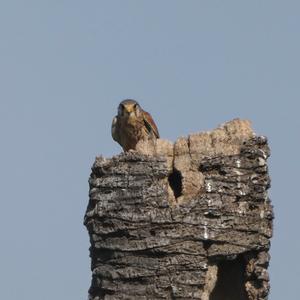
(186, 153)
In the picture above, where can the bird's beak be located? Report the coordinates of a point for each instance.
(129, 110)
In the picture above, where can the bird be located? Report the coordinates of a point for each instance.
(132, 124)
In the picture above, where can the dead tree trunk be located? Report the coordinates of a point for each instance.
(186, 221)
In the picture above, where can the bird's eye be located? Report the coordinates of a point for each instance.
(120, 109)
(137, 109)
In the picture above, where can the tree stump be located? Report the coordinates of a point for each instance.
(189, 220)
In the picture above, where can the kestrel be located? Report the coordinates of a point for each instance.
(132, 124)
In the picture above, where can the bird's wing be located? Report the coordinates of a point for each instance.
(150, 125)
(114, 131)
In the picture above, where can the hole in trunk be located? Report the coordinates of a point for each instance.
(175, 181)
(231, 281)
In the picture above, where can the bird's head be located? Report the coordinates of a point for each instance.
(129, 109)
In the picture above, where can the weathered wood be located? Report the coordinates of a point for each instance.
(207, 240)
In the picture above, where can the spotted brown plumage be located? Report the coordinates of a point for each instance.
(132, 124)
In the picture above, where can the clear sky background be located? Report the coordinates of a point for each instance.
(64, 67)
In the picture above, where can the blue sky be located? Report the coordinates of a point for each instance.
(65, 66)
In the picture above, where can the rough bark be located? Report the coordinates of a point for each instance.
(189, 220)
